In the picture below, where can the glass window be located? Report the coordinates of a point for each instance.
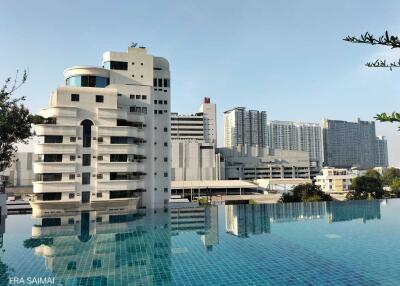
(87, 132)
(165, 174)
(160, 102)
(100, 139)
(85, 178)
(72, 176)
(86, 160)
(165, 144)
(165, 102)
(99, 98)
(50, 158)
(72, 157)
(71, 196)
(165, 190)
(154, 82)
(137, 96)
(118, 65)
(48, 177)
(132, 96)
(118, 158)
(165, 129)
(53, 139)
(71, 219)
(160, 82)
(165, 159)
(144, 96)
(100, 158)
(72, 139)
(74, 97)
(155, 101)
(99, 195)
(99, 176)
(144, 110)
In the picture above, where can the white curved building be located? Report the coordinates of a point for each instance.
(107, 135)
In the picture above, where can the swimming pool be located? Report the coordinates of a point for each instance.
(349, 243)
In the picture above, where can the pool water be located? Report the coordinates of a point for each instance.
(348, 243)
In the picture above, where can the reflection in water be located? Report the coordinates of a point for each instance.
(134, 247)
(245, 220)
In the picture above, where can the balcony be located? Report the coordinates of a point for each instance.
(52, 187)
(54, 167)
(46, 129)
(105, 167)
(120, 149)
(55, 148)
(120, 131)
(119, 185)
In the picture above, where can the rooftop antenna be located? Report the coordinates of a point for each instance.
(133, 45)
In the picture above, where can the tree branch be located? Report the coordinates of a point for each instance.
(367, 38)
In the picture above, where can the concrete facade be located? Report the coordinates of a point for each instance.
(381, 155)
(335, 180)
(107, 134)
(20, 174)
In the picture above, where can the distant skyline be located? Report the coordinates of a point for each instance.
(285, 57)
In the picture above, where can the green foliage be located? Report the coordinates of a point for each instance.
(305, 193)
(202, 201)
(365, 187)
(383, 117)
(373, 174)
(252, 202)
(15, 120)
(395, 187)
(389, 175)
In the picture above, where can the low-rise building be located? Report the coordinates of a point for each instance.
(335, 180)
(20, 173)
(245, 162)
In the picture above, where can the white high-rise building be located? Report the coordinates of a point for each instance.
(201, 126)
(381, 155)
(106, 137)
(194, 139)
(243, 126)
(288, 135)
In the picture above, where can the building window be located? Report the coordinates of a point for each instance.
(71, 265)
(165, 129)
(144, 97)
(86, 160)
(100, 158)
(50, 158)
(72, 157)
(160, 102)
(118, 157)
(165, 174)
(165, 144)
(141, 76)
(165, 102)
(99, 98)
(87, 132)
(133, 75)
(118, 65)
(99, 218)
(144, 110)
(72, 139)
(165, 159)
(85, 178)
(160, 82)
(141, 64)
(71, 219)
(160, 112)
(155, 101)
(100, 139)
(132, 96)
(96, 263)
(99, 194)
(74, 97)
(72, 176)
(166, 82)
(155, 158)
(137, 96)
(71, 195)
(155, 111)
(99, 176)
(53, 139)
(48, 177)
(119, 94)
(165, 190)
(154, 82)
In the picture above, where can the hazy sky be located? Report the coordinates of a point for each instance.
(285, 57)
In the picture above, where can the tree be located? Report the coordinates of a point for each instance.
(365, 187)
(15, 120)
(385, 40)
(373, 174)
(305, 193)
(389, 175)
(395, 187)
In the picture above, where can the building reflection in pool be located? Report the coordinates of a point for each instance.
(118, 247)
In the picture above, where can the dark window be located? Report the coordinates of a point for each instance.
(71, 265)
(160, 102)
(144, 96)
(117, 65)
(144, 110)
(132, 96)
(96, 263)
(165, 174)
(72, 157)
(72, 139)
(100, 195)
(118, 158)
(72, 176)
(87, 132)
(48, 177)
(166, 82)
(53, 139)
(85, 178)
(86, 160)
(165, 190)
(160, 112)
(51, 221)
(74, 97)
(132, 108)
(125, 140)
(119, 94)
(165, 129)
(155, 111)
(100, 139)
(137, 96)
(71, 195)
(71, 219)
(124, 194)
(165, 159)
(100, 158)
(99, 176)
(165, 102)
(125, 176)
(160, 82)
(99, 98)
(51, 158)
(49, 196)
(165, 144)
(154, 82)
(155, 101)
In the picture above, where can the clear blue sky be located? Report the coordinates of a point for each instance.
(285, 57)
